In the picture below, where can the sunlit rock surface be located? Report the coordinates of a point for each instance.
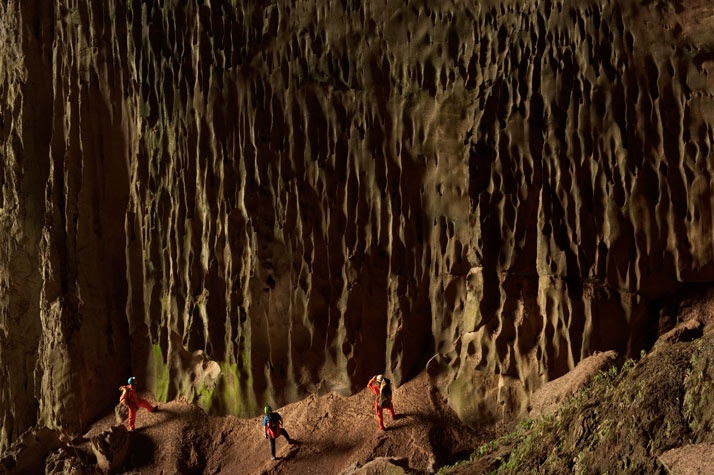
(246, 201)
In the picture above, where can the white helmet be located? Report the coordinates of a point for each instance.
(379, 378)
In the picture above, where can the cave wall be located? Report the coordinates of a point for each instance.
(245, 201)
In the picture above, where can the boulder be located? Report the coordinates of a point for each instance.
(111, 448)
(65, 462)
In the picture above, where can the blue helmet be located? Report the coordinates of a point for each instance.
(131, 380)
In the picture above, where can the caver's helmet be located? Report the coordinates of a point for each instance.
(379, 379)
(267, 409)
(131, 380)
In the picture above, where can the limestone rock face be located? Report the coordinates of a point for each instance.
(247, 201)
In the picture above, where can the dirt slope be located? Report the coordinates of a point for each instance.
(653, 415)
(335, 435)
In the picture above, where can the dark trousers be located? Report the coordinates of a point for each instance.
(285, 434)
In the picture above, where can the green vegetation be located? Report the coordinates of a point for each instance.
(160, 372)
(619, 423)
(521, 432)
(698, 399)
(228, 394)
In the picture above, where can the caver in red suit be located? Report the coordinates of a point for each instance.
(381, 387)
(133, 402)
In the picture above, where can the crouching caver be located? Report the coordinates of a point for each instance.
(273, 427)
(133, 402)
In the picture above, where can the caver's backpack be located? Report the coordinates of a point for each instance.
(273, 424)
(385, 393)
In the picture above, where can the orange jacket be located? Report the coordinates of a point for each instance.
(129, 397)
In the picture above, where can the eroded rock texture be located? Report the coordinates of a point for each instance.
(245, 201)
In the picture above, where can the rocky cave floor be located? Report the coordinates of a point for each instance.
(652, 415)
(334, 435)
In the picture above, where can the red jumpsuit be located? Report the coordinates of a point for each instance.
(374, 387)
(131, 400)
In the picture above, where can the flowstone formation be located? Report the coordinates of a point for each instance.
(249, 201)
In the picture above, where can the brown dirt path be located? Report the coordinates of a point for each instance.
(335, 435)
